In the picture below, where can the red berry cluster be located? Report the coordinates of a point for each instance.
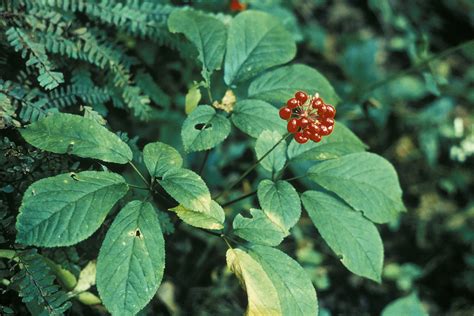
(308, 117)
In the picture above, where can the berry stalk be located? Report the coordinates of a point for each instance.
(226, 190)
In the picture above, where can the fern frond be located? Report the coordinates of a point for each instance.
(149, 86)
(138, 102)
(32, 103)
(35, 54)
(68, 96)
(81, 76)
(92, 46)
(7, 112)
(145, 19)
(35, 283)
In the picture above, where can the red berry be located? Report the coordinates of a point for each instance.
(322, 110)
(324, 130)
(292, 126)
(307, 133)
(285, 113)
(301, 96)
(330, 111)
(330, 129)
(316, 137)
(328, 122)
(314, 128)
(316, 103)
(303, 122)
(292, 103)
(300, 138)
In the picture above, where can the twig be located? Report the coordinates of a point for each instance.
(239, 198)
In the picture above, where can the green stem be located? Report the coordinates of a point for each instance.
(139, 173)
(227, 242)
(295, 178)
(203, 164)
(418, 66)
(250, 169)
(209, 93)
(65, 277)
(240, 198)
(137, 187)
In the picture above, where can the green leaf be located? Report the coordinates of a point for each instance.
(352, 237)
(73, 134)
(256, 41)
(214, 219)
(66, 209)
(262, 294)
(131, 260)
(280, 202)
(278, 85)
(188, 189)
(366, 181)
(160, 157)
(207, 33)
(296, 293)
(341, 142)
(275, 161)
(254, 116)
(259, 229)
(204, 128)
(192, 99)
(408, 305)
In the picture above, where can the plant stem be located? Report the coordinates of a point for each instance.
(203, 164)
(226, 190)
(239, 198)
(139, 173)
(295, 178)
(227, 242)
(136, 186)
(418, 66)
(209, 93)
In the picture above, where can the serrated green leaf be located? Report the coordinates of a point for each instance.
(63, 133)
(262, 295)
(207, 33)
(280, 202)
(66, 209)
(192, 99)
(366, 181)
(351, 236)
(204, 128)
(341, 142)
(214, 219)
(187, 187)
(259, 229)
(160, 157)
(254, 116)
(275, 161)
(408, 305)
(256, 41)
(278, 85)
(296, 293)
(131, 260)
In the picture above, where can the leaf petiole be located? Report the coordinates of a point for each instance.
(139, 173)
